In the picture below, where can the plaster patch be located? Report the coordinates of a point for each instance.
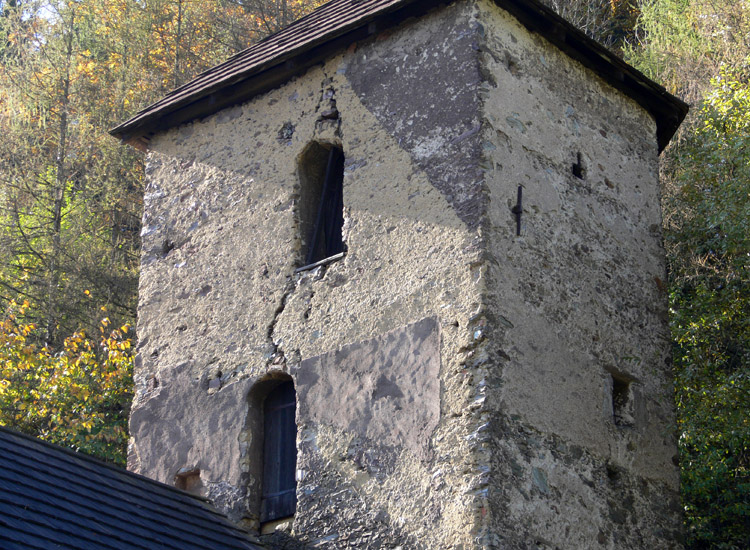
(385, 389)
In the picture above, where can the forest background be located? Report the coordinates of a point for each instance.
(71, 199)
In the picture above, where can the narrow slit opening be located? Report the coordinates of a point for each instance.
(579, 170)
(321, 210)
(622, 402)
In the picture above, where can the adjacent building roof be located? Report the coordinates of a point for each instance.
(53, 498)
(337, 24)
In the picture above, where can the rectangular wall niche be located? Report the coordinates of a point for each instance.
(622, 401)
(189, 479)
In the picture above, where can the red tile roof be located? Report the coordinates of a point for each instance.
(337, 24)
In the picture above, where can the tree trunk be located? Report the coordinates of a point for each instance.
(59, 190)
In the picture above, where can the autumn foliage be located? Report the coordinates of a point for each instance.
(71, 195)
(78, 397)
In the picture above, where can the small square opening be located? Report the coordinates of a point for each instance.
(622, 401)
(189, 480)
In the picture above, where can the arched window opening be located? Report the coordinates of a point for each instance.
(279, 488)
(321, 211)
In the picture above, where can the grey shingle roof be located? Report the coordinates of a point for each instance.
(337, 24)
(53, 498)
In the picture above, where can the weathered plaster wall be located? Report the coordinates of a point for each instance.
(222, 308)
(574, 300)
(453, 379)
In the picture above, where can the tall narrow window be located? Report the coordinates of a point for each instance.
(279, 497)
(322, 205)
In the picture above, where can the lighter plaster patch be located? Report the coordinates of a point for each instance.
(385, 389)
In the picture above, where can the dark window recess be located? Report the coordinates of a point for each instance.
(188, 479)
(326, 240)
(579, 170)
(279, 498)
(518, 210)
(622, 402)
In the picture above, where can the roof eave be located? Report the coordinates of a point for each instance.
(668, 111)
(259, 79)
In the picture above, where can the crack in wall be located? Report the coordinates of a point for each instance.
(328, 113)
(277, 356)
(328, 117)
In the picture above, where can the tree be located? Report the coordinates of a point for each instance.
(77, 397)
(63, 211)
(70, 196)
(708, 243)
(610, 22)
(700, 50)
(684, 43)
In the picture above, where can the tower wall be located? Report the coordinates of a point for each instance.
(454, 381)
(582, 423)
(374, 342)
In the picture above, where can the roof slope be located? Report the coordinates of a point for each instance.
(53, 498)
(337, 24)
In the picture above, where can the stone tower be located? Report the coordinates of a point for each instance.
(402, 287)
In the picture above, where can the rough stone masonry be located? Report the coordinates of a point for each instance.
(487, 366)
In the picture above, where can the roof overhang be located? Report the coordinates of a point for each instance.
(339, 23)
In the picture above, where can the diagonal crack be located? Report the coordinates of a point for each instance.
(277, 355)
